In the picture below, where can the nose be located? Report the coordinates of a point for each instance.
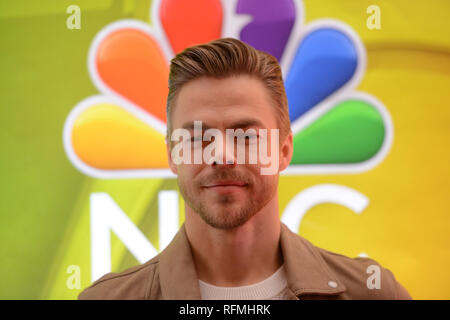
(227, 164)
(226, 156)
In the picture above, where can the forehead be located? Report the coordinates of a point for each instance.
(222, 102)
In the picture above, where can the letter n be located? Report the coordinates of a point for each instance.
(107, 216)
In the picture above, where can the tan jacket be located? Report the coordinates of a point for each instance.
(312, 273)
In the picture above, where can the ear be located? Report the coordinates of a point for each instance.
(286, 151)
(172, 165)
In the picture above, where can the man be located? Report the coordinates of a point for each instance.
(232, 244)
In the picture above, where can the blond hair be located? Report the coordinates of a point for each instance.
(224, 58)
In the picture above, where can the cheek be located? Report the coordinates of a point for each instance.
(266, 182)
(188, 172)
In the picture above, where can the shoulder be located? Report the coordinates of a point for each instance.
(134, 283)
(364, 278)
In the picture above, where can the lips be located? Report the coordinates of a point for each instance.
(226, 187)
(226, 183)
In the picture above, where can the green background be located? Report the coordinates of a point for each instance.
(41, 191)
(44, 207)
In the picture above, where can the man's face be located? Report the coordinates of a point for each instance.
(227, 194)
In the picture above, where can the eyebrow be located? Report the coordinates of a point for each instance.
(243, 123)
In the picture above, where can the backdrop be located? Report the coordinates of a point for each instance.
(85, 187)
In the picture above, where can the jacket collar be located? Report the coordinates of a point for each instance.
(177, 272)
(307, 272)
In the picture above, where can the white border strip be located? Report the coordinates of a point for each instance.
(232, 23)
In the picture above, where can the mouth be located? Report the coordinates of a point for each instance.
(226, 186)
(226, 183)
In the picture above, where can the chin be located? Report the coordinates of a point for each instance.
(226, 216)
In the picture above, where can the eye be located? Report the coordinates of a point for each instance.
(246, 136)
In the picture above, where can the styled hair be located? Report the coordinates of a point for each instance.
(223, 58)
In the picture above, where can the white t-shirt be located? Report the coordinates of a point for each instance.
(272, 288)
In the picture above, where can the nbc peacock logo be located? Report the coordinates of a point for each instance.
(120, 133)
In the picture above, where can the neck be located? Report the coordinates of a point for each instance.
(236, 257)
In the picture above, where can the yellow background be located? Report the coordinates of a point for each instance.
(406, 226)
